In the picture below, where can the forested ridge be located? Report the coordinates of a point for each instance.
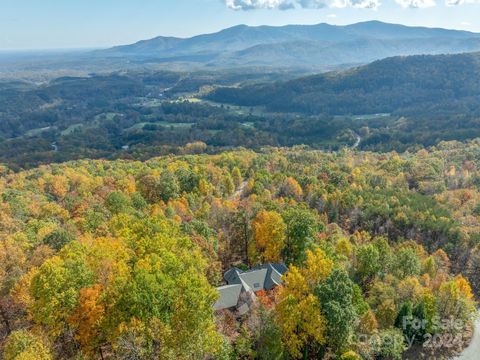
(435, 84)
(119, 259)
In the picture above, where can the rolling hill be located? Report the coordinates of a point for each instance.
(426, 83)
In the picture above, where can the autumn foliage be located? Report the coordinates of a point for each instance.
(120, 259)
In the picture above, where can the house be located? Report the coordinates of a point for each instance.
(239, 293)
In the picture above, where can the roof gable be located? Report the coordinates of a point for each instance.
(254, 280)
(229, 295)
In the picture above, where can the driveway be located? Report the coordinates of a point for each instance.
(472, 352)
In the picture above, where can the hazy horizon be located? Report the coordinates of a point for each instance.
(48, 51)
(55, 24)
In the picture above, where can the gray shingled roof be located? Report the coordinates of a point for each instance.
(254, 279)
(264, 277)
(273, 279)
(229, 295)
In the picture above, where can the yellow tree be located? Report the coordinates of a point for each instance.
(298, 314)
(55, 287)
(298, 310)
(58, 186)
(88, 317)
(13, 263)
(237, 176)
(291, 188)
(455, 299)
(318, 267)
(464, 287)
(269, 233)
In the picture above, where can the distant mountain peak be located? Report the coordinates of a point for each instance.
(318, 46)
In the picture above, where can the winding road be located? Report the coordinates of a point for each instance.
(357, 143)
(472, 352)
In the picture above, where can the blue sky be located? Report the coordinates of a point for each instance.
(54, 24)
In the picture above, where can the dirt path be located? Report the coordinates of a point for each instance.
(237, 195)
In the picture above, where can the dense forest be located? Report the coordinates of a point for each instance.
(119, 259)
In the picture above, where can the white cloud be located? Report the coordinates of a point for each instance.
(335, 4)
(418, 4)
(365, 4)
(258, 4)
(306, 4)
(460, 2)
(332, 16)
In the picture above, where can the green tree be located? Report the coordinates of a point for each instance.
(420, 313)
(58, 238)
(302, 226)
(406, 263)
(389, 344)
(267, 337)
(55, 288)
(23, 345)
(187, 179)
(168, 186)
(167, 290)
(404, 320)
(164, 187)
(385, 254)
(350, 355)
(117, 202)
(138, 202)
(336, 297)
(368, 262)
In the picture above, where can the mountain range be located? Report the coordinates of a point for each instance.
(297, 46)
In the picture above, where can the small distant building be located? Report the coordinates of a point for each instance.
(239, 293)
